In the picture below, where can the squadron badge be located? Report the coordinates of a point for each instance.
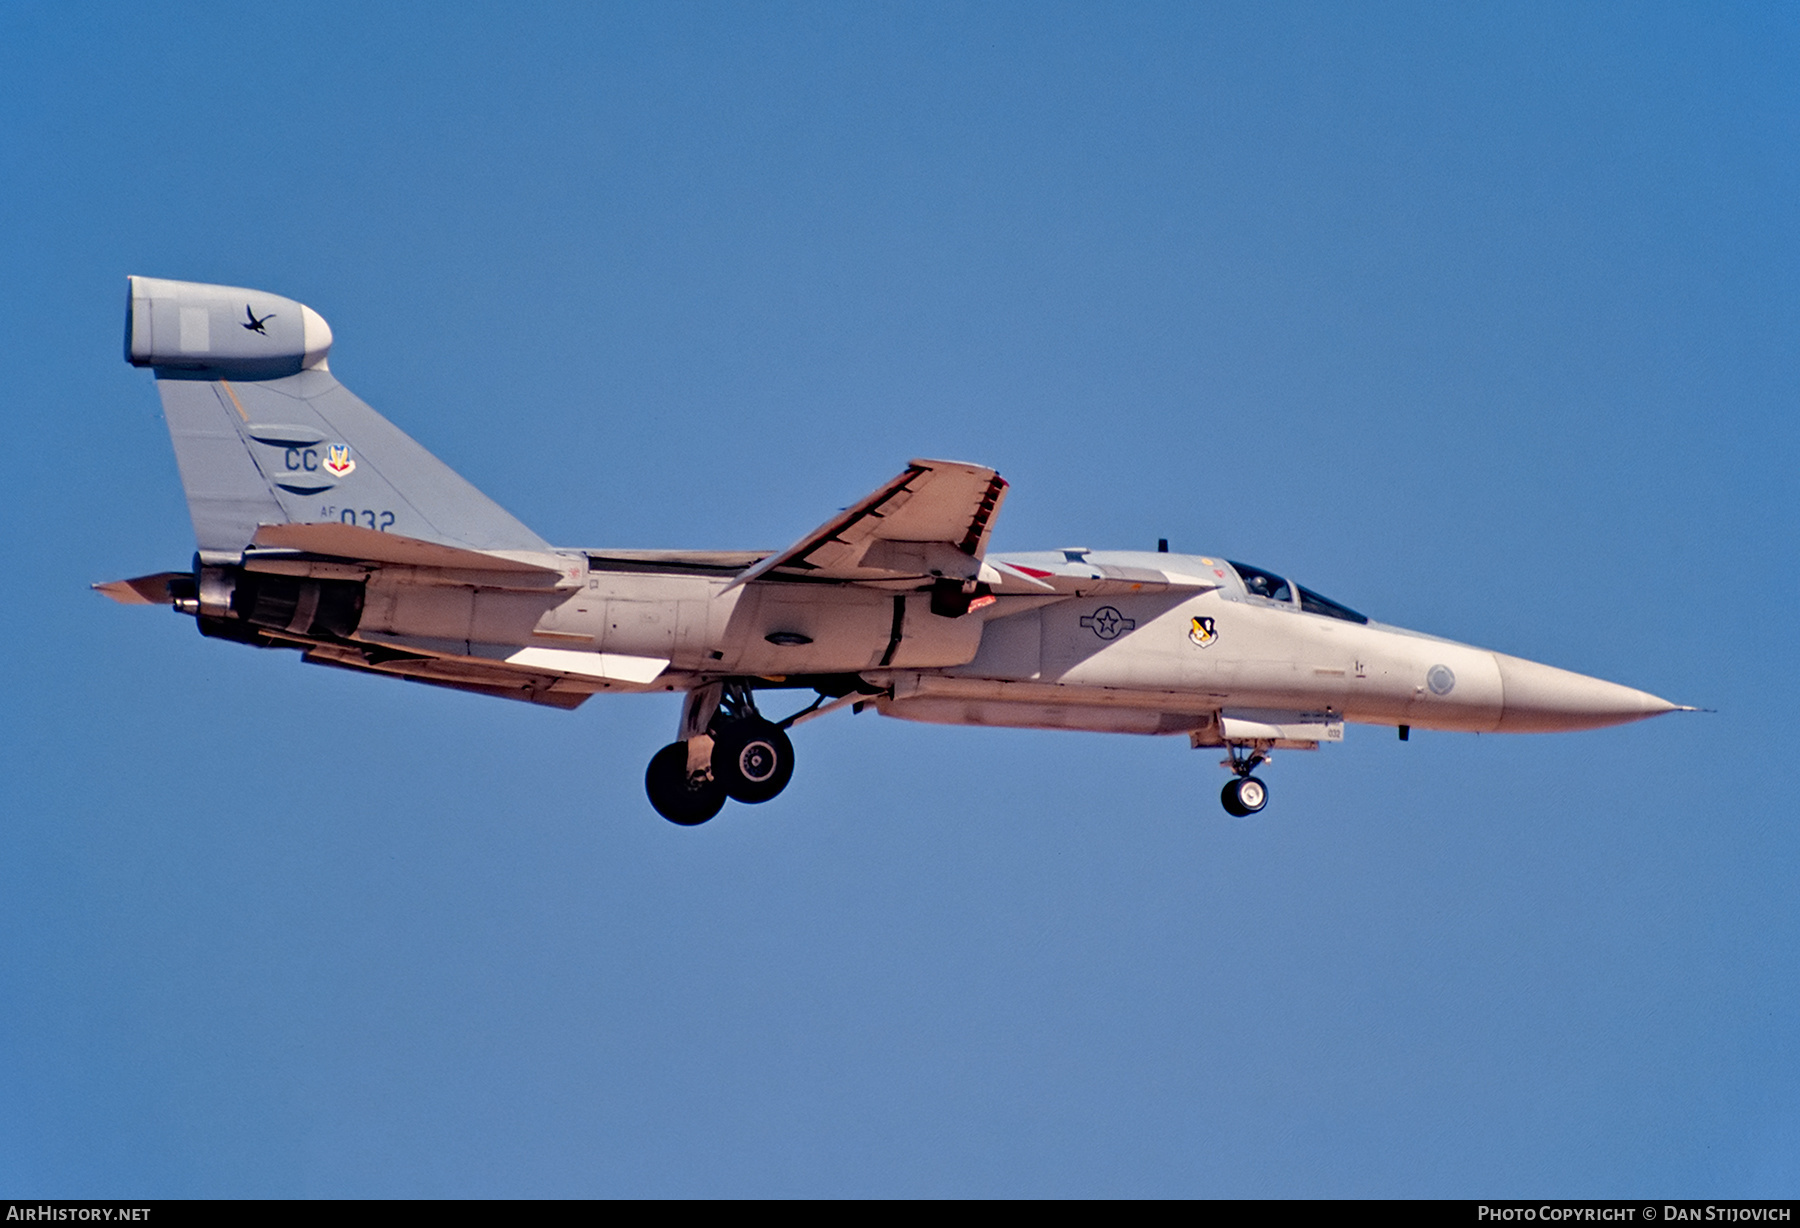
(337, 460)
(1200, 630)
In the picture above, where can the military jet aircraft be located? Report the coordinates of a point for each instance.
(322, 528)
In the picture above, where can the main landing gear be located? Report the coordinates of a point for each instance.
(1244, 795)
(727, 750)
(679, 795)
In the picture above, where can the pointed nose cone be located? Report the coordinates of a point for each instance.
(1543, 699)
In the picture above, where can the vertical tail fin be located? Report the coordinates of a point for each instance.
(264, 434)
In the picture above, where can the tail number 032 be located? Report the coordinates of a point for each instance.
(366, 518)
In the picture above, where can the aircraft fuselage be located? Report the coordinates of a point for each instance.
(322, 527)
(1119, 661)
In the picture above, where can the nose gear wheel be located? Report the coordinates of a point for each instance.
(1244, 796)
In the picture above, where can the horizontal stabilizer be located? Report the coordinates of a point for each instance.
(454, 675)
(506, 660)
(934, 520)
(144, 590)
(348, 541)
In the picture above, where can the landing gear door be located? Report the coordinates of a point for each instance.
(1284, 729)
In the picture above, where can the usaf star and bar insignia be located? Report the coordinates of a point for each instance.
(1109, 624)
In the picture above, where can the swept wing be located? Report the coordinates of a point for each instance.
(931, 521)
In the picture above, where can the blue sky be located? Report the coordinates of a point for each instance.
(1479, 321)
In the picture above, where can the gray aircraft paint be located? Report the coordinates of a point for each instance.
(313, 512)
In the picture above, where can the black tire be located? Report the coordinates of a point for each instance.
(678, 797)
(752, 760)
(1244, 797)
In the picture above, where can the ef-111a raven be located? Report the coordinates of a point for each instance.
(323, 528)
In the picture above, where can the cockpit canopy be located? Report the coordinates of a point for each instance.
(1271, 587)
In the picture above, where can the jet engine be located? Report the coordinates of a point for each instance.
(233, 604)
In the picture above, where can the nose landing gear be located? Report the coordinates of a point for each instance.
(1245, 795)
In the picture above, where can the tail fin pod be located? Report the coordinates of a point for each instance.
(264, 434)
